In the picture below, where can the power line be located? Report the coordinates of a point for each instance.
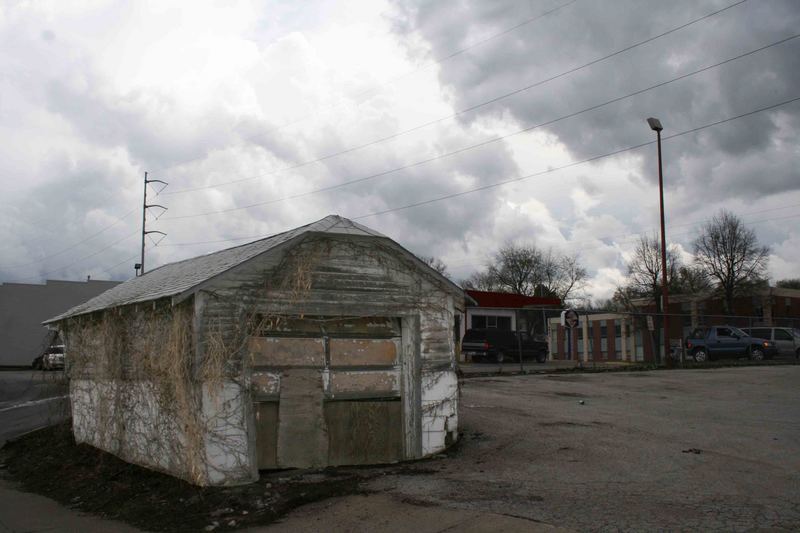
(63, 267)
(482, 143)
(630, 236)
(633, 237)
(376, 89)
(456, 53)
(462, 111)
(541, 173)
(573, 164)
(72, 246)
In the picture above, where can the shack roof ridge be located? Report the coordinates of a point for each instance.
(184, 276)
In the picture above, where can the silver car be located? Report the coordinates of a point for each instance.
(787, 340)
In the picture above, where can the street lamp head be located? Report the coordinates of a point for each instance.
(655, 124)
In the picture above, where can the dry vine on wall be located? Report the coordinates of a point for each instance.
(137, 389)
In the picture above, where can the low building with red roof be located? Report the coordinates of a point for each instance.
(504, 310)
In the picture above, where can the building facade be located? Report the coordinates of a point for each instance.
(23, 307)
(506, 311)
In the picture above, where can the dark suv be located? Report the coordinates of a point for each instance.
(502, 345)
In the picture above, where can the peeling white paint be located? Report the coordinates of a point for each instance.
(226, 440)
(439, 410)
(125, 418)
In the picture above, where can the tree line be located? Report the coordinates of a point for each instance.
(527, 270)
(727, 262)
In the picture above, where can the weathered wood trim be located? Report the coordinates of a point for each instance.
(410, 387)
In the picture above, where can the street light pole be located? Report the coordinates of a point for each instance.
(656, 126)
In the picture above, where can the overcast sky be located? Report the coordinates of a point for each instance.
(248, 109)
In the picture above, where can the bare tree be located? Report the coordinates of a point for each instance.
(435, 263)
(565, 277)
(517, 269)
(729, 253)
(692, 280)
(531, 271)
(480, 281)
(644, 270)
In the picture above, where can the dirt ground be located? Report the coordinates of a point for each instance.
(698, 450)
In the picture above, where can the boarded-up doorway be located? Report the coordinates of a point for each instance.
(327, 392)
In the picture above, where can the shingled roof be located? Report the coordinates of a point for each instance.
(177, 278)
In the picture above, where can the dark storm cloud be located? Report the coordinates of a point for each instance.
(589, 29)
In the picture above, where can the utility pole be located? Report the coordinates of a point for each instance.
(139, 267)
(656, 126)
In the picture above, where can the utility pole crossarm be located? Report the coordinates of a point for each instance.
(145, 207)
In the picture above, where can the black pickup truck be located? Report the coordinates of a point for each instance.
(501, 345)
(716, 342)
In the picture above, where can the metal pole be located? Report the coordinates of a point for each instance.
(144, 210)
(664, 281)
(569, 342)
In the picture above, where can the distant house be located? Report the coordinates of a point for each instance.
(325, 345)
(23, 307)
(506, 311)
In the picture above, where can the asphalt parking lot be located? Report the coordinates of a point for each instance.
(30, 399)
(702, 450)
(696, 450)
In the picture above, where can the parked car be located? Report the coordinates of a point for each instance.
(717, 342)
(502, 345)
(787, 340)
(53, 359)
(38, 363)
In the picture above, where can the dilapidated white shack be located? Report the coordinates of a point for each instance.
(329, 344)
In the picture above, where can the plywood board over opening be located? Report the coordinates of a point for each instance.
(364, 352)
(287, 351)
(267, 422)
(302, 441)
(364, 431)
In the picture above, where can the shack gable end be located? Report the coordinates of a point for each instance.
(327, 348)
(319, 280)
